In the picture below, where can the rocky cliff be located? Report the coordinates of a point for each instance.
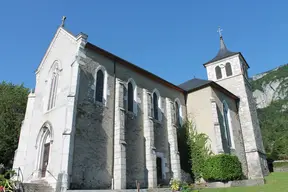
(270, 86)
(271, 95)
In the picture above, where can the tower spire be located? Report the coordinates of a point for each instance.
(223, 51)
(222, 44)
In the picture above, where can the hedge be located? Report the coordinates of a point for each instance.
(222, 168)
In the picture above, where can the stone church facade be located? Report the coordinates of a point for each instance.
(96, 121)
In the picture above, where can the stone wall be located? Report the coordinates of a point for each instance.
(237, 84)
(238, 147)
(93, 152)
(93, 145)
(135, 149)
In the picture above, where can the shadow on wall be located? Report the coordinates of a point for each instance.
(162, 147)
(92, 158)
(183, 148)
(135, 150)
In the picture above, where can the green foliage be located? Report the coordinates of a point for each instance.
(273, 119)
(5, 182)
(177, 185)
(13, 100)
(223, 168)
(275, 182)
(274, 126)
(199, 150)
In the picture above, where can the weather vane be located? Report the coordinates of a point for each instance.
(63, 21)
(220, 31)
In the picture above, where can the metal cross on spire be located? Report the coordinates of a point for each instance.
(63, 21)
(220, 31)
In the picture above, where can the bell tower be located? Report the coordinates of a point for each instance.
(230, 70)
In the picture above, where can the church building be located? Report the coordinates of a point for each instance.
(97, 121)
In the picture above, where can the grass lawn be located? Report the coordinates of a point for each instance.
(275, 182)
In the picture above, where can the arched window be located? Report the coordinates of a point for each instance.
(228, 69)
(99, 93)
(53, 86)
(130, 97)
(227, 128)
(218, 72)
(178, 117)
(155, 105)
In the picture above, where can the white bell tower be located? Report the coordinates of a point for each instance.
(229, 69)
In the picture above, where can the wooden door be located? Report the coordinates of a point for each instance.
(45, 158)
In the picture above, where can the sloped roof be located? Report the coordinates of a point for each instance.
(222, 53)
(193, 84)
(197, 84)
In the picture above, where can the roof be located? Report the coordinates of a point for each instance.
(222, 53)
(132, 66)
(193, 84)
(197, 84)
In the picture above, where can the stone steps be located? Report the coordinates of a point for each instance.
(37, 187)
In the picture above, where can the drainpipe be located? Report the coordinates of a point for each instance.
(113, 134)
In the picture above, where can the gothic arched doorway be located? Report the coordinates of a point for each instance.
(43, 146)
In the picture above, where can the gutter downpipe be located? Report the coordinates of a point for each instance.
(113, 134)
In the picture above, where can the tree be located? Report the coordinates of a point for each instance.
(13, 100)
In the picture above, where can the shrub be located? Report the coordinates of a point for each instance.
(199, 150)
(222, 168)
(177, 185)
(6, 184)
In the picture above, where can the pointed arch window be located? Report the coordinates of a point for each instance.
(228, 69)
(218, 72)
(53, 87)
(99, 86)
(178, 118)
(155, 106)
(227, 125)
(132, 95)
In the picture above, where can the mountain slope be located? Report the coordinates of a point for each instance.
(270, 86)
(270, 90)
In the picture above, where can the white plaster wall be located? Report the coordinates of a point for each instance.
(199, 110)
(64, 49)
(235, 65)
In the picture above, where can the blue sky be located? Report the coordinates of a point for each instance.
(169, 38)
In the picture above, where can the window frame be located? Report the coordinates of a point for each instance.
(177, 101)
(228, 121)
(230, 66)
(135, 104)
(159, 110)
(54, 76)
(216, 68)
(105, 76)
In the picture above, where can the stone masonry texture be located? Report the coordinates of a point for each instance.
(102, 145)
(93, 145)
(238, 84)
